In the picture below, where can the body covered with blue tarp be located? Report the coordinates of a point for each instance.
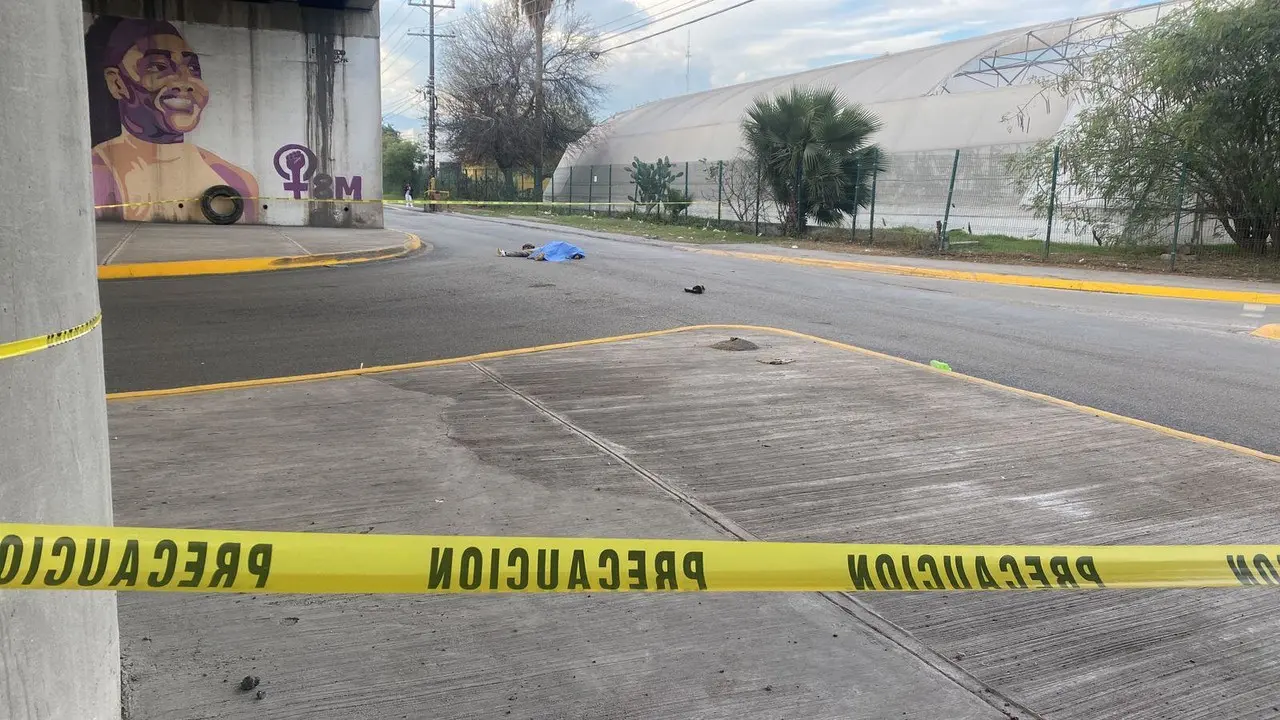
(557, 251)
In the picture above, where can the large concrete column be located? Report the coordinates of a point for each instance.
(59, 651)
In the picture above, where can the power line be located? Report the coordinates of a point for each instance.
(404, 105)
(677, 27)
(390, 31)
(642, 11)
(688, 6)
(388, 20)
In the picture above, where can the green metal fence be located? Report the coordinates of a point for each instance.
(956, 201)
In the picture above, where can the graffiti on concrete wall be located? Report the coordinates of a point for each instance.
(146, 94)
(298, 165)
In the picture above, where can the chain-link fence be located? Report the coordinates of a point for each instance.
(962, 202)
(484, 184)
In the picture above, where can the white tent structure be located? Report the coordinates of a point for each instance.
(932, 102)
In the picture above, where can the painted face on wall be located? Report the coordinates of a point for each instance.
(159, 87)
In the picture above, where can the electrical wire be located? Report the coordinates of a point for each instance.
(677, 27)
(601, 28)
(654, 18)
(402, 75)
(404, 105)
(388, 29)
(688, 6)
(391, 18)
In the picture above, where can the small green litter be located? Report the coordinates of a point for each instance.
(939, 365)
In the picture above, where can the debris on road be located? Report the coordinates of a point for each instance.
(735, 344)
(249, 682)
(777, 361)
(939, 365)
(696, 289)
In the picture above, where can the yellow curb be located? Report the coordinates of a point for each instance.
(1049, 399)
(1270, 332)
(1052, 283)
(182, 268)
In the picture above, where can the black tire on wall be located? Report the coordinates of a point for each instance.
(222, 191)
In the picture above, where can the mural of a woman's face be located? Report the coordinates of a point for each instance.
(159, 87)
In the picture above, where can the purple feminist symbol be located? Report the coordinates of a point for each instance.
(298, 168)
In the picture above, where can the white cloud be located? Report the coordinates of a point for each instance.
(762, 39)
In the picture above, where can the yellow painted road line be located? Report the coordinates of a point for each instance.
(60, 557)
(240, 384)
(1051, 283)
(1270, 332)
(183, 268)
(15, 348)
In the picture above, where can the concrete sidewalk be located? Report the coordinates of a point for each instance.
(836, 446)
(121, 243)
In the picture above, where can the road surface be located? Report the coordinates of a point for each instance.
(1186, 364)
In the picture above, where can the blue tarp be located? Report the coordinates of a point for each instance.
(557, 251)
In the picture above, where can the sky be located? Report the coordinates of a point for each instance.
(761, 39)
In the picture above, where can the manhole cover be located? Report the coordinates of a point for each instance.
(735, 344)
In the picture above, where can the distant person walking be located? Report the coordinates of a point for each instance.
(408, 195)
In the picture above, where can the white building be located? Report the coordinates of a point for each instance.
(961, 95)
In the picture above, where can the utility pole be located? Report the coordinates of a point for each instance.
(59, 651)
(431, 36)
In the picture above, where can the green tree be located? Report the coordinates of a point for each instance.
(401, 161)
(1190, 108)
(499, 107)
(815, 153)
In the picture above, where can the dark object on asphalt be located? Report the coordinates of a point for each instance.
(735, 344)
(696, 290)
(218, 218)
(557, 251)
(249, 682)
(261, 694)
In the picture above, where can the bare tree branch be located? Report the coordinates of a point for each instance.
(488, 87)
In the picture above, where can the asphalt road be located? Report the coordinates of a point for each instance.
(1186, 364)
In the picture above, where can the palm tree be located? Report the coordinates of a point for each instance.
(536, 12)
(815, 154)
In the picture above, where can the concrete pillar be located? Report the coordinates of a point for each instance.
(59, 651)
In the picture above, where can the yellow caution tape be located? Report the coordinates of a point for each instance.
(144, 204)
(518, 203)
(254, 199)
(108, 558)
(417, 202)
(35, 344)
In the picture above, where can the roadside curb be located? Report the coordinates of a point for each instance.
(991, 278)
(575, 344)
(1270, 332)
(231, 266)
(1035, 281)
